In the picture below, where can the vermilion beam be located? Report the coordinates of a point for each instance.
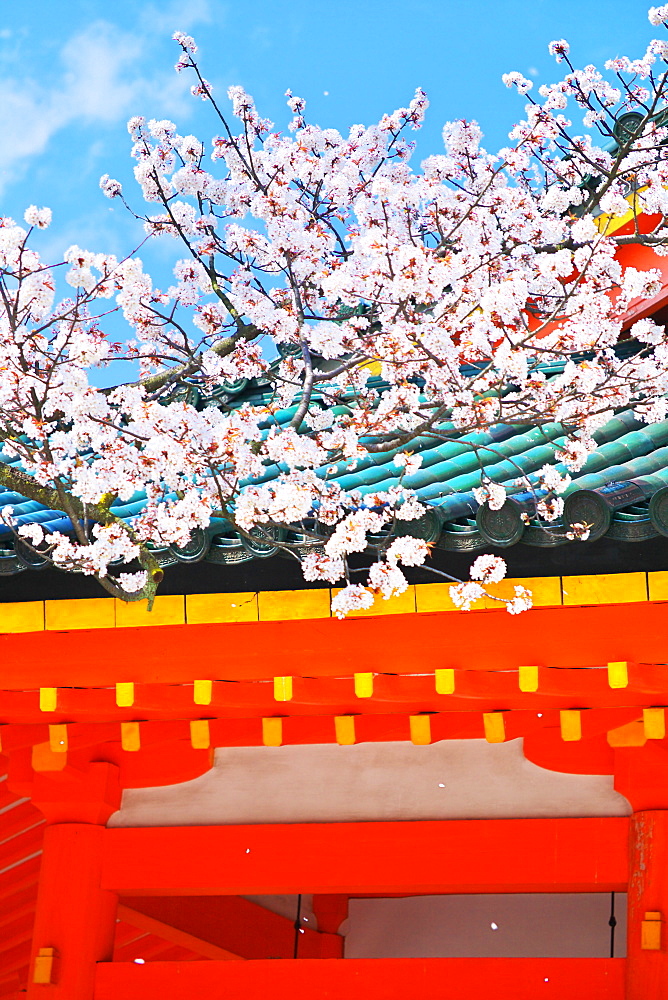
(368, 979)
(174, 935)
(526, 855)
(329, 647)
(392, 693)
(237, 925)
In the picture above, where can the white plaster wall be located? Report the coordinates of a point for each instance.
(559, 925)
(453, 779)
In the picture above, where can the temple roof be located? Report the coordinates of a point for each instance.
(621, 493)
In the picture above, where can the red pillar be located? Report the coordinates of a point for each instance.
(647, 945)
(75, 917)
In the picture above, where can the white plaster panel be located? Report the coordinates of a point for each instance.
(453, 779)
(521, 925)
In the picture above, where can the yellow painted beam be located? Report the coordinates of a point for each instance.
(204, 609)
(87, 613)
(286, 605)
(401, 604)
(195, 609)
(545, 591)
(167, 610)
(23, 616)
(434, 597)
(657, 585)
(604, 588)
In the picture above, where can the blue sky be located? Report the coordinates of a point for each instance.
(73, 71)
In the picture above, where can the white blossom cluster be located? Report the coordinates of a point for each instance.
(453, 280)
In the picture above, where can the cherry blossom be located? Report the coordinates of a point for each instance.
(488, 569)
(383, 304)
(39, 217)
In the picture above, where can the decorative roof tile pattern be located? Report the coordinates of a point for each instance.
(621, 492)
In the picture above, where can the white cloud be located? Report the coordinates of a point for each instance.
(99, 82)
(179, 15)
(105, 76)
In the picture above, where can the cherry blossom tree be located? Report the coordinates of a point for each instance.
(314, 259)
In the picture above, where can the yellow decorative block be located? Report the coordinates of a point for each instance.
(495, 728)
(125, 694)
(445, 681)
(272, 732)
(618, 674)
(58, 739)
(92, 612)
(200, 737)
(570, 722)
(283, 688)
(606, 588)
(420, 726)
(363, 685)
(528, 678)
(130, 736)
(43, 969)
(25, 616)
(654, 722)
(404, 604)
(167, 610)
(650, 931)
(286, 605)
(344, 729)
(202, 692)
(48, 699)
(202, 609)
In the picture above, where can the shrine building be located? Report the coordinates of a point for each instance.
(238, 795)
